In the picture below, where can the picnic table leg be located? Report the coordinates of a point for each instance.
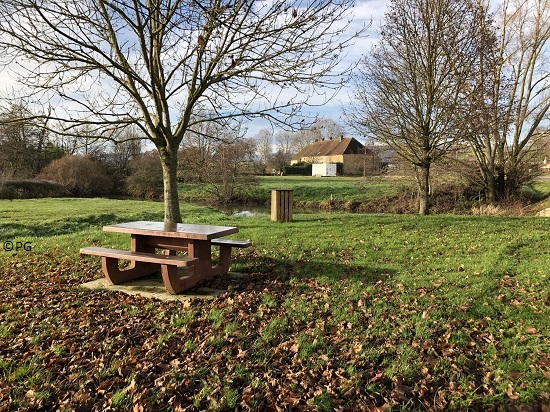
(136, 270)
(172, 280)
(202, 249)
(175, 283)
(225, 258)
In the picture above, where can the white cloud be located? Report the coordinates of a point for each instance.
(364, 12)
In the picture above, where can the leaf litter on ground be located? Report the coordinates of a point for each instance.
(273, 341)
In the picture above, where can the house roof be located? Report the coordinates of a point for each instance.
(332, 147)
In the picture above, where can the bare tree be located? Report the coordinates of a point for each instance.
(410, 88)
(23, 142)
(151, 64)
(320, 129)
(145, 179)
(284, 142)
(279, 160)
(510, 98)
(123, 153)
(224, 162)
(326, 129)
(195, 158)
(83, 140)
(234, 167)
(488, 100)
(264, 144)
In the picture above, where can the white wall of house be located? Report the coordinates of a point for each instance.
(323, 169)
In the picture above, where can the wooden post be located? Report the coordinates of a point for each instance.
(281, 205)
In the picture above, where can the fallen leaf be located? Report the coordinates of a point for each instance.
(510, 392)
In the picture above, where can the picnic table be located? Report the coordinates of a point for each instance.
(147, 237)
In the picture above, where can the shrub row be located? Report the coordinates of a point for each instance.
(31, 189)
(83, 176)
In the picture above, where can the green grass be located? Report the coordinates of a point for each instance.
(309, 190)
(338, 309)
(316, 189)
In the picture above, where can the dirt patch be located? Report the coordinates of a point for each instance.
(153, 288)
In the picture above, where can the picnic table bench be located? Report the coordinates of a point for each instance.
(147, 237)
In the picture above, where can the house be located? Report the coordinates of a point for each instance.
(354, 157)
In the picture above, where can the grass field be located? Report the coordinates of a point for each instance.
(309, 190)
(338, 311)
(383, 194)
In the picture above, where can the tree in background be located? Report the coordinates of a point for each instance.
(154, 63)
(80, 175)
(220, 159)
(145, 176)
(510, 94)
(285, 143)
(279, 160)
(121, 155)
(24, 143)
(233, 169)
(324, 129)
(410, 88)
(542, 149)
(264, 146)
(195, 157)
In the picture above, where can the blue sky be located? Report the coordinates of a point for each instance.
(364, 11)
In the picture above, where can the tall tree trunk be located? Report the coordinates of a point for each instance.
(169, 161)
(491, 194)
(423, 180)
(500, 182)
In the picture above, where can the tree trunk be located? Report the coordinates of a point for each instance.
(500, 182)
(491, 188)
(169, 161)
(423, 180)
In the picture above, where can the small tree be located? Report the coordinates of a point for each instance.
(280, 160)
(195, 158)
(225, 165)
(233, 169)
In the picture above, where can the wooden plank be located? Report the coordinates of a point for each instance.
(231, 242)
(281, 205)
(179, 230)
(139, 256)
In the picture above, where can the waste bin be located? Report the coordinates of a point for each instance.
(281, 205)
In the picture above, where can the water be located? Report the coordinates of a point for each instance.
(245, 211)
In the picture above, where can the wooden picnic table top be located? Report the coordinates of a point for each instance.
(179, 230)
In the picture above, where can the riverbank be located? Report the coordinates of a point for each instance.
(384, 194)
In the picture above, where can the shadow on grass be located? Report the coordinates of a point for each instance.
(262, 271)
(67, 225)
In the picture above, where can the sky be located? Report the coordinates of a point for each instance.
(364, 11)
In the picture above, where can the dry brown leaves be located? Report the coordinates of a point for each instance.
(98, 350)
